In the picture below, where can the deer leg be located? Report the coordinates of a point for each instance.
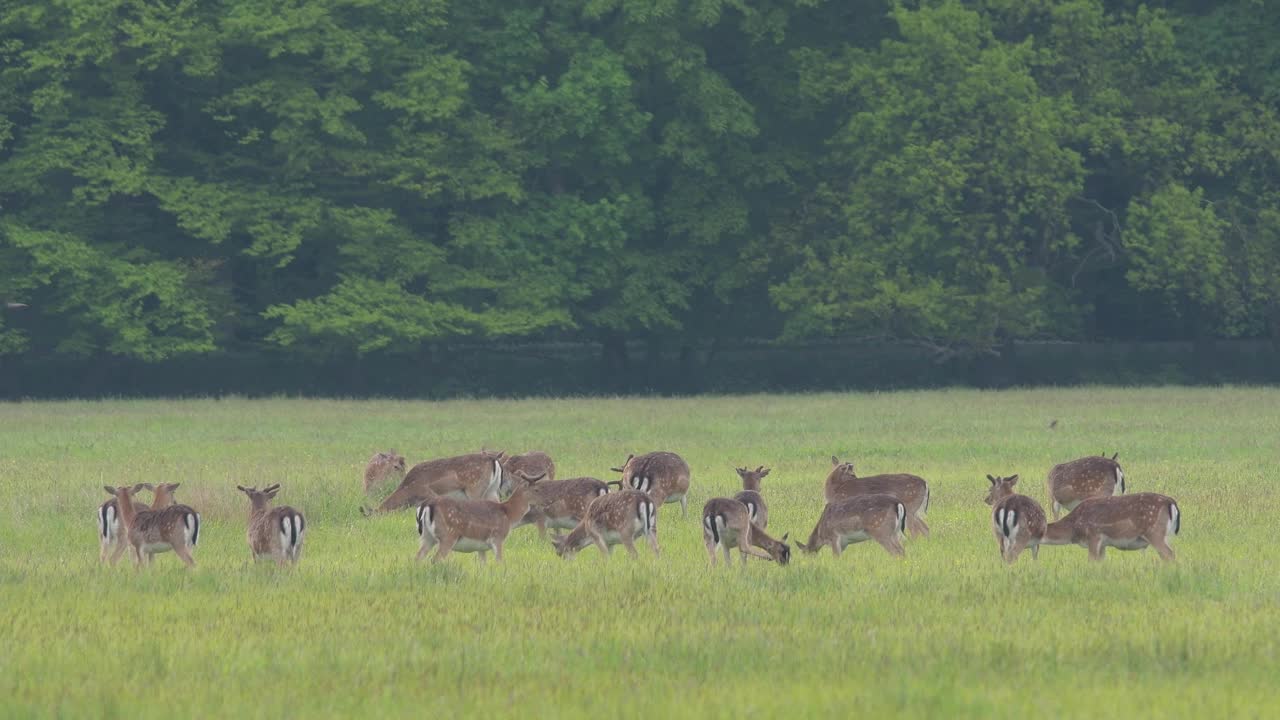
(1035, 551)
(443, 549)
(598, 539)
(999, 541)
(119, 550)
(1161, 544)
(184, 553)
(711, 548)
(653, 543)
(630, 544)
(917, 527)
(834, 542)
(891, 545)
(541, 522)
(684, 505)
(1096, 550)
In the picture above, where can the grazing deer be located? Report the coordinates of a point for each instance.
(273, 532)
(751, 497)
(109, 538)
(472, 477)
(843, 483)
(726, 524)
(450, 524)
(663, 475)
(616, 518)
(561, 504)
(383, 466)
(878, 517)
(1124, 522)
(1017, 520)
(1070, 483)
(148, 532)
(534, 463)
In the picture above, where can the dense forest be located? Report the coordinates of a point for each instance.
(363, 178)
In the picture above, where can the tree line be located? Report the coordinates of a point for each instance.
(353, 178)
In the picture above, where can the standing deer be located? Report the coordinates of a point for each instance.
(1017, 520)
(449, 524)
(273, 532)
(473, 477)
(843, 483)
(663, 475)
(148, 532)
(879, 517)
(561, 504)
(1124, 522)
(109, 536)
(726, 524)
(616, 518)
(382, 467)
(751, 497)
(1070, 483)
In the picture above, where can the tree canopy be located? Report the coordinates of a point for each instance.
(357, 177)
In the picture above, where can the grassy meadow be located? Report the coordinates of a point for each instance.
(359, 629)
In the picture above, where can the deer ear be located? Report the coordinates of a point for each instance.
(992, 479)
(1013, 480)
(110, 490)
(617, 470)
(785, 536)
(139, 487)
(1113, 457)
(764, 471)
(835, 462)
(174, 486)
(242, 488)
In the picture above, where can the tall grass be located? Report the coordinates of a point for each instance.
(358, 628)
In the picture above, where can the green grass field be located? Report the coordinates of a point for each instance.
(359, 628)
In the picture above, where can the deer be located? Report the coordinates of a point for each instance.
(726, 524)
(534, 462)
(663, 475)
(561, 504)
(750, 495)
(1123, 522)
(109, 518)
(466, 525)
(382, 467)
(1017, 520)
(843, 483)
(878, 517)
(472, 477)
(274, 533)
(1071, 483)
(148, 532)
(617, 518)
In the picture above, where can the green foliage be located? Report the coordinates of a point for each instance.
(347, 176)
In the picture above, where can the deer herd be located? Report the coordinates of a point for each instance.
(471, 503)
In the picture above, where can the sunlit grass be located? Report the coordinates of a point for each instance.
(358, 628)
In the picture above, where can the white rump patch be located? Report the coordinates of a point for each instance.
(1175, 521)
(1119, 480)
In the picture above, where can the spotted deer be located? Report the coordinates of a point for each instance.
(663, 475)
(449, 524)
(561, 504)
(843, 483)
(613, 519)
(472, 477)
(274, 533)
(751, 497)
(148, 532)
(878, 517)
(109, 536)
(382, 467)
(726, 524)
(1017, 520)
(1123, 522)
(1070, 483)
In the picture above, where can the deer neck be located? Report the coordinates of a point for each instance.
(752, 484)
(258, 507)
(128, 512)
(1059, 533)
(517, 505)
